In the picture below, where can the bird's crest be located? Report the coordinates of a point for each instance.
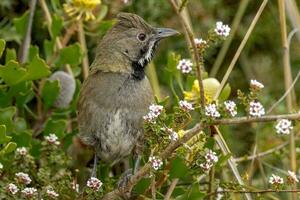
(129, 20)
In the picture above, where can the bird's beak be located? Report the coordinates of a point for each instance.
(165, 32)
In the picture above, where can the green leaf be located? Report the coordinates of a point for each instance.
(50, 92)
(3, 137)
(37, 69)
(21, 24)
(23, 139)
(10, 147)
(10, 55)
(56, 26)
(70, 55)
(12, 73)
(2, 46)
(6, 116)
(179, 169)
(33, 51)
(55, 126)
(225, 92)
(141, 186)
(20, 124)
(49, 48)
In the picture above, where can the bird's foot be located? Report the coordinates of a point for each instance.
(123, 182)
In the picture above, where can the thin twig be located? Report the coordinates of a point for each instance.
(171, 189)
(195, 51)
(23, 52)
(253, 191)
(241, 47)
(285, 93)
(267, 118)
(49, 23)
(85, 59)
(235, 25)
(261, 154)
(153, 188)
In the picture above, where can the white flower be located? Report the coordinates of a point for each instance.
(230, 107)
(94, 183)
(1, 166)
(173, 136)
(206, 166)
(12, 188)
(75, 186)
(29, 192)
(154, 112)
(219, 195)
(292, 177)
(211, 111)
(284, 126)
(23, 178)
(51, 193)
(256, 85)
(22, 151)
(275, 180)
(52, 139)
(211, 157)
(186, 106)
(185, 66)
(256, 109)
(222, 29)
(200, 42)
(155, 162)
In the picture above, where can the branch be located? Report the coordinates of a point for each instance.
(115, 194)
(239, 50)
(171, 189)
(253, 191)
(267, 118)
(190, 35)
(267, 152)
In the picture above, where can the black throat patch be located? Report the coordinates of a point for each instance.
(145, 57)
(138, 71)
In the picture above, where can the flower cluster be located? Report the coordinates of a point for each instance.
(172, 134)
(211, 110)
(200, 43)
(186, 106)
(185, 66)
(275, 180)
(52, 139)
(94, 183)
(154, 112)
(210, 159)
(256, 109)
(230, 107)
(81, 9)
(222, 29)
(255, 85)
(22, 151)
(284, 126)
(23, 178)
(155, 162)
(29, 192)
(12, 188)
(292, 177)
(51, 193)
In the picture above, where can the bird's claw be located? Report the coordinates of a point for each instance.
(123, 182)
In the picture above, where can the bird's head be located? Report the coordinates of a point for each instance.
(130, 45)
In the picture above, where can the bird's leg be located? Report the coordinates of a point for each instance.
(137, 163)
(94, 171)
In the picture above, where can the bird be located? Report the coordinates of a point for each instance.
(117, 93)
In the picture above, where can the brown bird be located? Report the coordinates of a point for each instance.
(116, 95)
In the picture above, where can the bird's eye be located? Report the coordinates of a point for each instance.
(141, 36)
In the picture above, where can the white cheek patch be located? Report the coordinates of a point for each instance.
(148, 56)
